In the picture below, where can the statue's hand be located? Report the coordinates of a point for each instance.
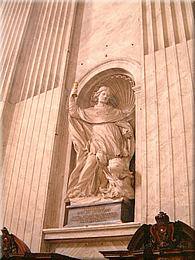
(74, 91)
(101, 158)
(126, 133)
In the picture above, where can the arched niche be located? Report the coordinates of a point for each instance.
(123, 77)
(130, 67)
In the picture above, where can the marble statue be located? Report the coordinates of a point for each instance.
(103, 139)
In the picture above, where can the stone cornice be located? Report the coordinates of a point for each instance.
(89, 232)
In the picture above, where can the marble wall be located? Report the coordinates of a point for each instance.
(110, 31)
(46, 46)
(167, 102)
(36, 38)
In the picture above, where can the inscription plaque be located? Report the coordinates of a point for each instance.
(100, 213)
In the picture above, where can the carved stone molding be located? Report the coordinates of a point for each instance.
(131, 66)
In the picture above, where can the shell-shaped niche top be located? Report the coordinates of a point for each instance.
(121, 87)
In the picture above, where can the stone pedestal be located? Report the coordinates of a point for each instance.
(104, 212)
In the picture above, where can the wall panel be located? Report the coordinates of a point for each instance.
(27, 157)
(12, 145)
(152, 138)
(165, 147)
(37, 166)
(13, 166)
(186, 89)
(68, 54)
(13, 27)
(41, 195)
(169, 66)
(36, 73)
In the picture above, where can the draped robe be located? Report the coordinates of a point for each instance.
(98, 129)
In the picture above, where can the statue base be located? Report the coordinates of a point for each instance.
(103, 212)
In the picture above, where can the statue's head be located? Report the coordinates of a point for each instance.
(103, 89)
(104, 95)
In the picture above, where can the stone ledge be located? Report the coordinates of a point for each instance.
(97, 231)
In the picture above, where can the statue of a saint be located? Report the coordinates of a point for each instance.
(103, 139)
